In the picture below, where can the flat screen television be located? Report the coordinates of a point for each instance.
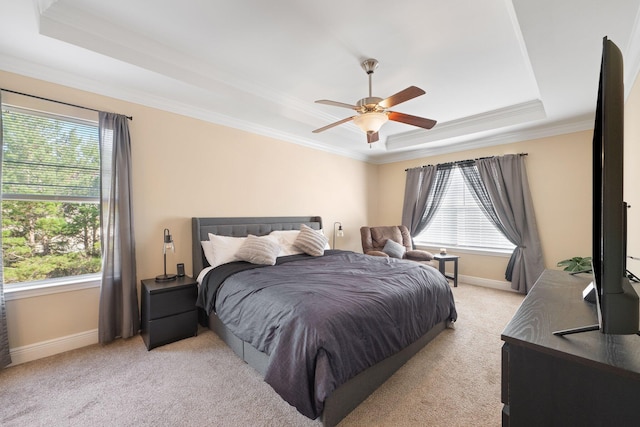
(617, 302)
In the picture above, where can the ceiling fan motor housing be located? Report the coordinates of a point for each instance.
(369, 104)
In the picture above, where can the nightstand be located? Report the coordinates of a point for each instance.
(168, 311)
(442, 259)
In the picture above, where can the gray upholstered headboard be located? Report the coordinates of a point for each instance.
(241, 227)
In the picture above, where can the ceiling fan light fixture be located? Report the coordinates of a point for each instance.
(371, 122)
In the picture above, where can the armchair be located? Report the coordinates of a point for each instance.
(375, 241)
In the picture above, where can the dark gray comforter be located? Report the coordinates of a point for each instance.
(322, 320)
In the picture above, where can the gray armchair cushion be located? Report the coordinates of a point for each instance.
(419, 255)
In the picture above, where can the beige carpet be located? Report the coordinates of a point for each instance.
(454, 381)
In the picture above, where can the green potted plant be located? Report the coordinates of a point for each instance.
(577, 264)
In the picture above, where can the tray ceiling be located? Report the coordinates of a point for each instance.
(494, 71)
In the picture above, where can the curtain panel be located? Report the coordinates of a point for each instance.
(424, 189)
(417, 187)
(505, 179)
(473, 180)
(119, 315)
(5, 356)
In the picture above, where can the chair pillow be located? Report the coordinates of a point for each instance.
(259, 250)
(310, 241)
(394, 249)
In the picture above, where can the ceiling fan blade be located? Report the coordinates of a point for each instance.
(336, 104)
(372, 137)
(333, 124)
(411, 120)
(402, 96)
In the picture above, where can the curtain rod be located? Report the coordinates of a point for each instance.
(463, 161)
(53, 100)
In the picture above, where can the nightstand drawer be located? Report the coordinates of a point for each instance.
(168, 302)
(172, 328)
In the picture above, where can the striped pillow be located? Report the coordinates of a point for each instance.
(259, 250)
(310, 241)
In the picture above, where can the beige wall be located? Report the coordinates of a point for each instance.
(632, 175)
(184, 167)
(559, 171)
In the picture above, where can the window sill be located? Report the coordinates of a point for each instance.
(473, 251)
(48, 287)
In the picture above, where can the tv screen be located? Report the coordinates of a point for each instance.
(617, 301)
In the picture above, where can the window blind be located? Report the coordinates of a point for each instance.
(49, 157)
(460, 222)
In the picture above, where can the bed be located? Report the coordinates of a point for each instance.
(300, 344)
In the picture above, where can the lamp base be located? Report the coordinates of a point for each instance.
(166, 277)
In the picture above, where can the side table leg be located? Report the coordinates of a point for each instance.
(455, 273)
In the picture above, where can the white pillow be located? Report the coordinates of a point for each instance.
(207, 248)
(224, 249)
(259, 250)
(286, 239)
(312, 242)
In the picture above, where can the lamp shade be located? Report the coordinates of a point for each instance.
(167, 246)
(337, 232)
(371, 122)
(168, 243)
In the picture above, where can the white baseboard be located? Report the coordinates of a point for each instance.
(48, 348)
(487, 283)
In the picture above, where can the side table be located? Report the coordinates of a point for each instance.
(168, 311)
(442, 259)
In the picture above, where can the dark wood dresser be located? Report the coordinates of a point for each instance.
(168, 311)
(586, 379)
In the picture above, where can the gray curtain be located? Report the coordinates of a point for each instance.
(472, 179)
(5, 356)
(420, 202)
(505, 179)
(119, 315)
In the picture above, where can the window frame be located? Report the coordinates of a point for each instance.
(435, 247)
(48, 109)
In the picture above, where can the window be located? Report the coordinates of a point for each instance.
(50, 196)
(460, 222)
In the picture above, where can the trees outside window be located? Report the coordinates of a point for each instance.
(50, 196)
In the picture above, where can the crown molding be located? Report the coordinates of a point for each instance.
(495, 119)
(37, 71)
(577, 125)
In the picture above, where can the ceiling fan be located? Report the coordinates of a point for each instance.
(372, 111)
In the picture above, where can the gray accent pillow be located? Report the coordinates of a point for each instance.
(310, 241)
(259, 250)
(394, 249)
